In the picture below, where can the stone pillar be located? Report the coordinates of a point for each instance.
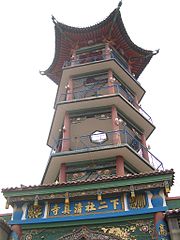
(119, 166)
(116, 137)
(160, 226)
(62, 173)
(69, 90)
(111, 87)
(144, 149)
(18, 230)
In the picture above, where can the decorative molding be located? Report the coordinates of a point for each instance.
(85, 233)
(87, 192)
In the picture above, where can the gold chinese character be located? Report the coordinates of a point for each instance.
(67, 209)
(55, 209)
(115, 202)
(78, 208)
(138, 201)
(102, 205)
(90, 207)
(162, 230)
(34, 211)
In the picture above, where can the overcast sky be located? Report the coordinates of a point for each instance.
(27, 98)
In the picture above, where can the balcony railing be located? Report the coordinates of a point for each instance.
(109, 138)
(100, 57)
(100, 91)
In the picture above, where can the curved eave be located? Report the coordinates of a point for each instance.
(67, 38)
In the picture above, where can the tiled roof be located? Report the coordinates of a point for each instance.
(98, 180)
(112, 28)
(173, 211)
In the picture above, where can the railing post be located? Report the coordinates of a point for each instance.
(69, 90)
(116, 138)
(119, 166)
(111, 89)
(144, 148)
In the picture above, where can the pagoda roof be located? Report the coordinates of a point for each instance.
(110, 30)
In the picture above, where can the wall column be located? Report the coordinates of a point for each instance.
(119, 166)
(107, 51)
(18, 230)
(62, 173)
(69, 90)
(111, 87)
(116, 137)
(66, 134)
(160, 226)
(144, 149)
(73, 57)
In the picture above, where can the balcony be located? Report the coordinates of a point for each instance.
(100, 139)
(99, 57)
(106, 101)
(105, 90)
(100, 63)
(101, 145)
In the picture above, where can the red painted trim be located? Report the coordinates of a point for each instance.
(115, 126)
(70, 90)
(144, 151)
(17, 229)
(119, 166)
(111, 89)
(66, 133)
(62, 174)
(173, 198)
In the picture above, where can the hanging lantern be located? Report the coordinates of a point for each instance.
(36, 201)
(167, 187)
(132, 192)
(66, 198)
(99, 196)
(7, 204)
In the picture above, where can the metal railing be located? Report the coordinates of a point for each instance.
(100, 57)
(104, 139)
(100, 91)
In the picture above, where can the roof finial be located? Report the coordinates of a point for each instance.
(53, 19)
(119, 4)
(156, 52)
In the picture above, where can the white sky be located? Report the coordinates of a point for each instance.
(27, 98)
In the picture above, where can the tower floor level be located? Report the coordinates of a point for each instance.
(101, 180)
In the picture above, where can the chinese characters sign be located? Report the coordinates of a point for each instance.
(86, 207)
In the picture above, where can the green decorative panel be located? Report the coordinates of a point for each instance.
(128, 230)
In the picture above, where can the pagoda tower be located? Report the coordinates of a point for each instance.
(101, 180)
